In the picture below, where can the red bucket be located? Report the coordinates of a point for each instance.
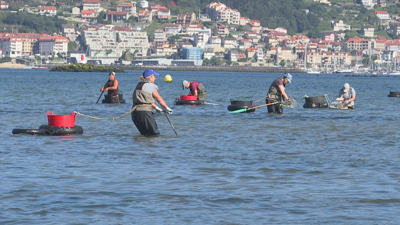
(61, 120)
(188, 98)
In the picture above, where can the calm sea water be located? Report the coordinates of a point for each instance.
(308, 166)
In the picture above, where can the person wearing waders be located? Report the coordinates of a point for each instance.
(196, 89)
(144, 96)
(277, 92)
(112, 88)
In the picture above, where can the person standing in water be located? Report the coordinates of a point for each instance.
(112, 88)
(144, 96)
(277, 92)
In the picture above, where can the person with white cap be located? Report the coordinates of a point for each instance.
(144, 96)
(112, 87)
(277, 92)
(348, 95)
(196, 89)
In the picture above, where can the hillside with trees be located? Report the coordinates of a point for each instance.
(23, 22)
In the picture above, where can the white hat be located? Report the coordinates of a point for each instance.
(184, 84)
(346, 87)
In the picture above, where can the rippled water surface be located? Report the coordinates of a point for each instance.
(308, 166)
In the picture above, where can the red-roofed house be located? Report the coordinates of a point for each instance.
(329, 36)
(88, 14)
(3, 5)
(357, 43)
(253, 25)
(250, 52)
(164, 14)
(51, 10)
(144, 15)
(221, 31)
(116, 16)
(383, 16)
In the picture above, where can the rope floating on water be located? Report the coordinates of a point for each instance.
(99, 118)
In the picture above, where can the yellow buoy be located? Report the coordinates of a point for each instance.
(168, 78)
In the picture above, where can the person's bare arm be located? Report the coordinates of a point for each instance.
(159, 99)
(282, 89)
(114, 87)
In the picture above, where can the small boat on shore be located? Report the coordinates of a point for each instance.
(40, 68)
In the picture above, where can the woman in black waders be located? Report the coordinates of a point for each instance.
(112, 88)
(277, 92)
(144, 96)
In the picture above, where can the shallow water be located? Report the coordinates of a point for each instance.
(307, 166)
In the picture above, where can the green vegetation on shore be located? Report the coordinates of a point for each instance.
(80, 67)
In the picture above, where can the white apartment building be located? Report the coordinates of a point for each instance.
(111, 41)
(52, 45)
(220, 13)
(91, 5)
(50, 10)
(129, 8)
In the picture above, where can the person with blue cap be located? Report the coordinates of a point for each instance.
(144, 96)
(277, 92)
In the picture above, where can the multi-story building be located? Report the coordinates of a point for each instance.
(359, 44)
(172, 29)
(221, 31)
(91, 5)
(88, 15)
(26, 44)
(367, 31)
(395, 28)
(220, 13)
(329, 59)
(129, 8)
(112, 41)
(192, 53)
(384, 16)
(144, 15)
(159, 36)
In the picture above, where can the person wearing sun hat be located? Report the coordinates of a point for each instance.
(348, 95)
(144, 97)
(196, 89)
(277, 92)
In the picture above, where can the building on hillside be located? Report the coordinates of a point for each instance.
(253, 25)
(91, 5)
(329, 36)
(367, 31)
(128, 7)
(232, 55)
(338, 25)
(229, 43)
(382, 3)
(222, 31)
(116, 16)
(4, 5)
(201, 39)
(384, 17)
(88, 15)
(192, 53)
(160, 36)
(164, 14)
(220, 13)
(48, 10)
(394, 28)
(187, 18)
(144, 15)
(243, 21)
(112, 41)
(330, 60)
(359, 44)
(75, 11)
(379, 43)
(68, 29)
(143, 4)
(324, 2)
(191, 29)
(172, 29)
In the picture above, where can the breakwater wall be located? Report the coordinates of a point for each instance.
(214, 68)
(207, 68)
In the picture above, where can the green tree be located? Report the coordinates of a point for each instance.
(282, 63)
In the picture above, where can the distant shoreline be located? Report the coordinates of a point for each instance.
(215, 68)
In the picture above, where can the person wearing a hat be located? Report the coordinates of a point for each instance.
(277, 92)
(144, 97)
(196, 89)
(348, 95)
(112, 88)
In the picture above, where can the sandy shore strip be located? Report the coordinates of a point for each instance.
(9, 65)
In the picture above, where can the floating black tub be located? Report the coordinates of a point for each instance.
(187, 100)
(394, 94)
(51, 130)
(236, 105)
(315, 102)
(107, 99)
